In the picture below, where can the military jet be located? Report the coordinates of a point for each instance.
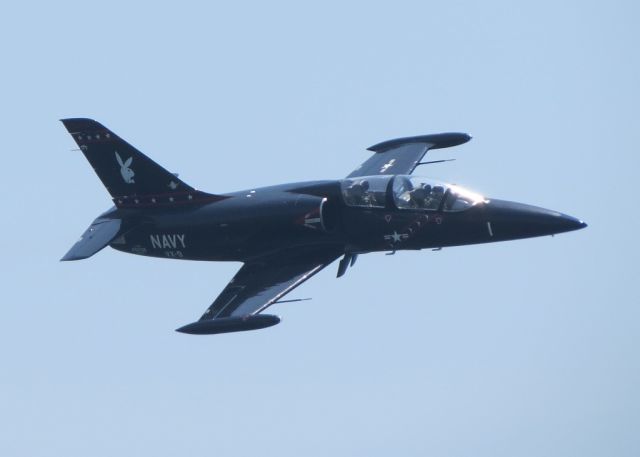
(287, 233)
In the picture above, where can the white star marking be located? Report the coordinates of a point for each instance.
(396, 237)
(387, 165)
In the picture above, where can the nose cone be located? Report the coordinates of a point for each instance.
(511, 220)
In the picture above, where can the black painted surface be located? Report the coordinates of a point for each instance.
(285, 233)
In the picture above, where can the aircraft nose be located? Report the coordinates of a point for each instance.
(511, 220)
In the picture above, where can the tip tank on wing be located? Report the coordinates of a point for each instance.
(230, 324)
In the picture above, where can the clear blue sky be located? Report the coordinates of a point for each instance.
(524, 348)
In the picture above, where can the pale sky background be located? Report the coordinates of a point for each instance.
(523, 348)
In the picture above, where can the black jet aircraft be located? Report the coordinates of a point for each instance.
(287, 233)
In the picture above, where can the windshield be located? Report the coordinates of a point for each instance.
(414, 192)
(459, 199)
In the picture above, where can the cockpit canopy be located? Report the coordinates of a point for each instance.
(407, 192)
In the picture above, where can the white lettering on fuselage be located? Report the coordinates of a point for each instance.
(167, 241)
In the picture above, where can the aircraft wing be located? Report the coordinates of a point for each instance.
(402, 155)
(258, 285)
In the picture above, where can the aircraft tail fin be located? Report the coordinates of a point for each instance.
(132, 178)
(123, 169)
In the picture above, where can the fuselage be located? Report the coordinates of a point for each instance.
(285, 234)
(360, 215)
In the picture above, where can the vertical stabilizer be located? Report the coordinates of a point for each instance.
(123, 169)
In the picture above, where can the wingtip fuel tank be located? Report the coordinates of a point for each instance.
(230, 324)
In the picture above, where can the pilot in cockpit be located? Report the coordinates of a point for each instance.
(418, 196)
(435, 196)
(357, 193)
(424, 196)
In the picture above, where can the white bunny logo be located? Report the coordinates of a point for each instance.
(126, 172)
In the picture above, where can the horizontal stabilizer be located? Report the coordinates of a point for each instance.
(230, 324)
(97, 236)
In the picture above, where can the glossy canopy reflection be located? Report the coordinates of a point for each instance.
(407, 192)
